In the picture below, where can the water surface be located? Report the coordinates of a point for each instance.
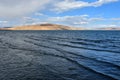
(59, 55)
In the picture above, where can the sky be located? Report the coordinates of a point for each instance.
(76, 13)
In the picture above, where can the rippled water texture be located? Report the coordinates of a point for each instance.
(59, 55)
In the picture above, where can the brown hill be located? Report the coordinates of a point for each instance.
(42, 27)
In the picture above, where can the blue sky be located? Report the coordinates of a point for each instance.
(77, 13)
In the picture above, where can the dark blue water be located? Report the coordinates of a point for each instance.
(59, 55)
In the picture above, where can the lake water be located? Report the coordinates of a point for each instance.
(59, 55)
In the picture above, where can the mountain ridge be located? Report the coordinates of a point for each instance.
(42, 27)
(49, 26)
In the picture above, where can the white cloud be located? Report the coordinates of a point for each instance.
(108, 25)
(96, 19)
(101, 2)
(80, 23)
(39, 14)
(116, 19)
(66, 5)
(16, 8)
(29, 20)
(77, 20)
(4, 23)
(69, 4)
